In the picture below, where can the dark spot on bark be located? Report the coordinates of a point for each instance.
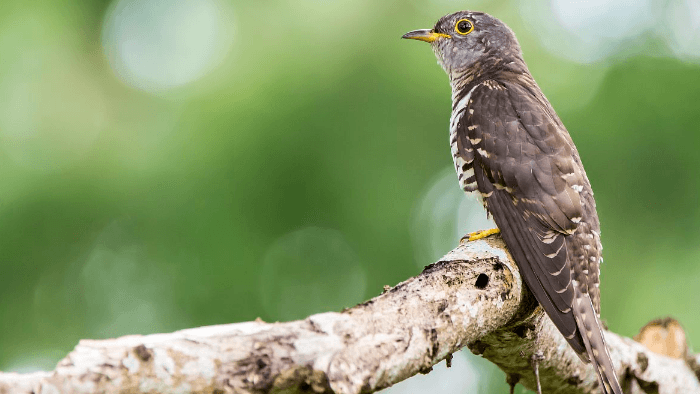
(482, 281)
(301, 379)
(397, 288)
(366, 303)
(99, 377)
(523, 329)
(315, 327)
(574, 380)
(512, 379)
(143, 353)
(643, 361)
(457, 281)
(648, 387)
(694, 365)
(426, 371)
(435, 266)
(477, 347)
(504, 295)
(218, 391)
(432, 337)
(442, 306)
(498, 266)
(258, 374)
(366, 388)
(448, 361)
(520, 331)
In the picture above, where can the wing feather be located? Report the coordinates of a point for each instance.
(525, 159)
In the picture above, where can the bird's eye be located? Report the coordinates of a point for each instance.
(464, 26)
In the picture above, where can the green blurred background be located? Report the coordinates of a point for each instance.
(168, 164)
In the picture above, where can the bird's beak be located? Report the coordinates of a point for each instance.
(424, 35)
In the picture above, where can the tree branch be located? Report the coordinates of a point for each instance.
(474, 296)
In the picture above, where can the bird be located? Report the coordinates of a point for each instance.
(510, 148)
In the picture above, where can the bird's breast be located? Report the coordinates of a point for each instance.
(462, 151)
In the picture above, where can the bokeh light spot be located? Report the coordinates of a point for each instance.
(443, 215)
(160, 44)
(587, 31)
(683, 23)
(309, 271)
(592, 20)
(125, 292)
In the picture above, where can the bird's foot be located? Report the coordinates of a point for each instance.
(476, 235)
(535, 360)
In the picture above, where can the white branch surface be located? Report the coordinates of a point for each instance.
(474, 296)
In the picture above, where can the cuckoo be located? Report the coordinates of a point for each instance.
(511, 149)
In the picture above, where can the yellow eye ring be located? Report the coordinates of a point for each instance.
(464, 26)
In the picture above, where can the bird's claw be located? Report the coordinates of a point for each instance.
(476, 235)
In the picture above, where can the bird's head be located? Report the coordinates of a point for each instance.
(468, 39)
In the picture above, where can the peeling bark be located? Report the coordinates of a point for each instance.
(472, 297)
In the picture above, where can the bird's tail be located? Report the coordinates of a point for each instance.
(592, 333)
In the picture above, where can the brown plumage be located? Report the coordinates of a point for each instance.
(510, 146)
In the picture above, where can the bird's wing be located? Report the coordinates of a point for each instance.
(524, 166)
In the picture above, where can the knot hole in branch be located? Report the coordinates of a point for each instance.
(482, 281)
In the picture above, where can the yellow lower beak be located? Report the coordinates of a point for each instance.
(424, 35)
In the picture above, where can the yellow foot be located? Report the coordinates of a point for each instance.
(479, 235)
